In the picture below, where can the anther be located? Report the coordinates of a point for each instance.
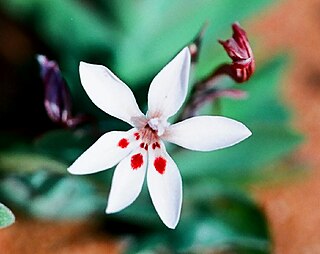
(137, 135)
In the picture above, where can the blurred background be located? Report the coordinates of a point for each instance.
(261, 196)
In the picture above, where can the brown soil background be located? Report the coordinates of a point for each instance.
(292, 208)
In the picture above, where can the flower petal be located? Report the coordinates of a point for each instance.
(206, 133)
(105, 153)
(127, 180)
(168, 89)
(165, 186)
(109, 93)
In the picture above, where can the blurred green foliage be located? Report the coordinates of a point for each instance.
(135, 39)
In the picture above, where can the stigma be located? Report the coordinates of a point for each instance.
(157, 124)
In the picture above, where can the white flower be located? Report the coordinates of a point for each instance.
(141, 150)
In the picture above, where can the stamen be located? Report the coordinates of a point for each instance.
(155, 145)
(137, 135)
(136, 161)
(157, 125)
(160, 164)
(123, 143)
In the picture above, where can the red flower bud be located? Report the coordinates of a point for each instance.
(240, 70)
(239, 50)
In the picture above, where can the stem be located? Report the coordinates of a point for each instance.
(205, 90)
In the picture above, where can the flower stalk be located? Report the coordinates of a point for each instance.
(240, 70)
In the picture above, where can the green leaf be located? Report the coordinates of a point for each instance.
(29, 162)
(19, 155)
(219, 217)
(66, 145)
(141, 213)
(68, 26)
(228, 204)
(215, 217)
(68, 198)
(243, 161)
(6, 216)
(263, 105)
(51, 196)
(206, 234)
(153, 37)
(151, 243)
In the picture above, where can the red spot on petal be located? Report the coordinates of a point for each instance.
(123, 143)
(160, 164)
(146, 147)
(136, 161)
(137, 135)
(157, 145)
(142, 145)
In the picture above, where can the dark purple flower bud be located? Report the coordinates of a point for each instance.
(239, 50)
(57, 99)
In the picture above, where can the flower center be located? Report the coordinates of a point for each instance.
(150, 133)
(158, 125)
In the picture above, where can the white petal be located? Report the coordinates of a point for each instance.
(165, 187)
(127, 181)
(206, 133)
(104, 153)
(109, 93)
(168, 89)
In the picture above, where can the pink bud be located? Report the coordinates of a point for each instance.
(239, 50)
(240, 70)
